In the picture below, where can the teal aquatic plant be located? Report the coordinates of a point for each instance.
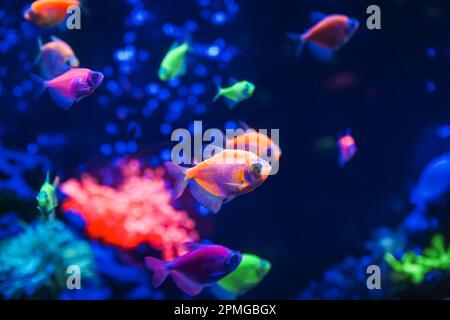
(417, 266)
(34, 263)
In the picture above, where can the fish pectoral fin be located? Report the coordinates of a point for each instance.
(185, 284)
(60, 100)
(317, 16)
(207, 199)
(231, 103)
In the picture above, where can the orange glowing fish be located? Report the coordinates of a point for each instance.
(63, 49)
(224, 176)
(49, 13)
(56, 57)
(328, 35)
(256, 142)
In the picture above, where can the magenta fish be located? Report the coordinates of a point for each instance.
(71, 86)
(347, 148)
(201, 267)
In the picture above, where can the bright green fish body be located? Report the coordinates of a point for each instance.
(236, 93)
(250, 272)
(46, 198)
(174, 63)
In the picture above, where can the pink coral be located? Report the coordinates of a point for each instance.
(138, 211)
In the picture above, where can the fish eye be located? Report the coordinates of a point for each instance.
(95, 76)
(233, 261)
(257, 168)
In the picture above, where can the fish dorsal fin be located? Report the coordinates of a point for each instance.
(191, 246)
(174, 45)
(233, 81)
(55, 38)
(317, 16)
(244, 125)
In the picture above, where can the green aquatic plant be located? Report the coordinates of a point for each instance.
(416, 267)
(35, 263)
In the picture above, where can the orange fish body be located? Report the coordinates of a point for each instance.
(258, 143)
(61, 47)
(224, 176)
(330, 32)
(49, 13)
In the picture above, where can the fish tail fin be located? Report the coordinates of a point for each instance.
(218, 94)
(185, 284)
(208, 200)
(41, 85)
(179, 174)
(159, 269)
(221, 293)
(298, 38)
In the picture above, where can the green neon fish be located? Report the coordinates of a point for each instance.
(248, 275)
(174, 63)
(46, 198)
(416, 267)
(237, 92)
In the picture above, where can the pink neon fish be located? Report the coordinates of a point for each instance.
(71, 86)
(201, 267)
(328, 35)
(347, 148)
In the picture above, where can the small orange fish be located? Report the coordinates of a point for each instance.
(63, 49)
(56, 57)
(49, 13)
(224, 176)
(328, 35)
(256, 142)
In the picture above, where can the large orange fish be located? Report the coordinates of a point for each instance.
(328, 35)
(224, 176)
(49, 13)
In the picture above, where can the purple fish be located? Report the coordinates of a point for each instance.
(202, 266)
(71, 86)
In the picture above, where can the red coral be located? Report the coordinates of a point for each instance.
(138, 211)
